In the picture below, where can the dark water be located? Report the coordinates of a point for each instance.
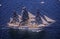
(21, 34)
(50, 32)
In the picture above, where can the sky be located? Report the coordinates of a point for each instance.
(50, 8)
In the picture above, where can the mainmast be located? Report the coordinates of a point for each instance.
(25, 16)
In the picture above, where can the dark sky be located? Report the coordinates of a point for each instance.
(51, 8)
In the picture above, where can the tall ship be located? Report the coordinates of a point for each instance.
(29, 21)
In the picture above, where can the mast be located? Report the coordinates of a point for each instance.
(38, 17)
(25, 16)
(15, 17)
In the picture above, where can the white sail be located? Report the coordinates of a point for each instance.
(49, 19)
(43, 21)
(11, 19)
(12, 24)
(31, 16)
